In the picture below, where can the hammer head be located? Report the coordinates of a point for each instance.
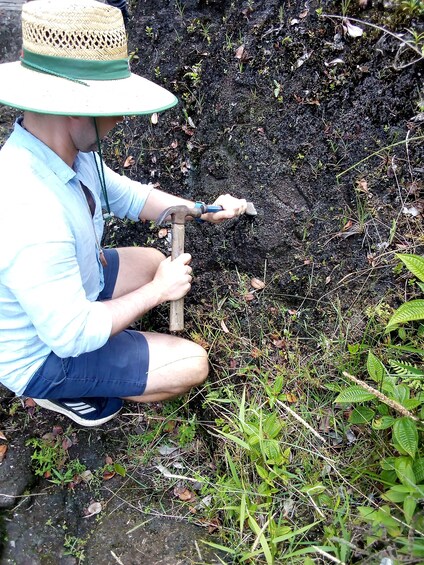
(178, 214)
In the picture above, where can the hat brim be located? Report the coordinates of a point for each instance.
(39, 92)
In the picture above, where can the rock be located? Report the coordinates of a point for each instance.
(15, 472)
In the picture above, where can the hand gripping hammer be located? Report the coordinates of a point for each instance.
(178, 215)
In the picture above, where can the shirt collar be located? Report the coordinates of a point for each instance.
(42, 152)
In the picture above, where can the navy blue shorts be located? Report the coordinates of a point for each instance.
(116, 370)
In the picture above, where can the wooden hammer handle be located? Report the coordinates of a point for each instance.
(176, 313)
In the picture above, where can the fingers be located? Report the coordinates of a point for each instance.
(232, 207)
(184, 258)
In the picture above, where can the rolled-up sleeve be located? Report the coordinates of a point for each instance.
(126, 197)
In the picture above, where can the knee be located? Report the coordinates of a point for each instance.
(156, 257)
(199, 366)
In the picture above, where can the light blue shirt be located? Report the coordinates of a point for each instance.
(50, 273)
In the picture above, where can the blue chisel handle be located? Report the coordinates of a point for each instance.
(212, 208)
(205, 208)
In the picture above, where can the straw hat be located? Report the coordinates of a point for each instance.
(75, 62)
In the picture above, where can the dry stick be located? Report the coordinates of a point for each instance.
(392, 403)
(383, 29)
(301, 420)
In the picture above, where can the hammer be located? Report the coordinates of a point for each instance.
(178, 216)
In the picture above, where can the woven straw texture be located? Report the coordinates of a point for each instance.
(61, 29)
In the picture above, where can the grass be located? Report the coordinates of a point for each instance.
(268, 455)
(292, 469)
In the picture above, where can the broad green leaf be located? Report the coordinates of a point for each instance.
(404, 472)
(394, 496)
(361, 415)
(383, 423)
(414, 263)
(352, 394)
(418, 468)
(271, 449)
(402, 488)
(263, 473)
(313, 490)
(119, 469)
(375, 367)
(406, 435)
(408, 312)
(412, 403)
(367, 513)
(272, 426)
(388, 464)
(401, 392)
(409, 505)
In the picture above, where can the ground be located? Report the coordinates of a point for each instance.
(279, 103)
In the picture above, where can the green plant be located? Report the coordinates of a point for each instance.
(194, 73)
(180, 7)
(412, 7)
(48, 454)
(394, 404)
(187, 431)
(69, 474)
(50, 460)
(412, 309)
(75, 547)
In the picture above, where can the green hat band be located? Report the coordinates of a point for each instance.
(76, 69)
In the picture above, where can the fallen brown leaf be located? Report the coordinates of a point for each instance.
(184, 494)
(129, 161)
(94, 508)
(224, 327)
(67, 443)
(362, 186)
(3, 449)
(257, 283)
(241, 54)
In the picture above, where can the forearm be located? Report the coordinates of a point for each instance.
(126, 309)
(158, 201)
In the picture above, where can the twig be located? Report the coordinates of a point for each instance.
(383, 29)
(392, 403)
(116, 558)
(301, 420)
(327, 555)
(417, 138)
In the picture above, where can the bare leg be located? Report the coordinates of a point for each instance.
(176, 364)
(137, 267)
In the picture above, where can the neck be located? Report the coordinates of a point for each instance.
(54, 132)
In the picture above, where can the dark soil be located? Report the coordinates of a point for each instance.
(276, 130)
(278, 106)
